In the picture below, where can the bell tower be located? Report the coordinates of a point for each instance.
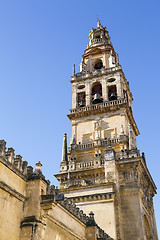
(102, 170)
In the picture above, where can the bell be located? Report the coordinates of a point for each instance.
(81, 103)
(112, 97)
(97, 99)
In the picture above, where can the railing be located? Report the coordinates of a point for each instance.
(107, 142)
(102, 70)
(97, 40)
(84, 182)
(90, 164)
(92, 144)
(85, 146)
(98, 162)
(98, 106)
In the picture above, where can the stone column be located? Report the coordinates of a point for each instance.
(88, 93)
(104, 90)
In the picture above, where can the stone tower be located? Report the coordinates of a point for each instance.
(103, 171)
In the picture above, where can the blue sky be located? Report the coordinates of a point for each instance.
(39, 43)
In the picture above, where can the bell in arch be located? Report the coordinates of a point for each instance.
(81, 103)
(112, 96)
(97, 99)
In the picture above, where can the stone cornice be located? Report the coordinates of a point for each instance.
(92, 49)
(12, 191)
(88, 187)
(103, 72)
(94, 197)
(97, 108)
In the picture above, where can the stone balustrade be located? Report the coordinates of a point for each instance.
(98, 106)
(84, 182)
(99, 71)
(90, 164)
(97, 40)
(98, 162)
(83, 146)
(92, 144)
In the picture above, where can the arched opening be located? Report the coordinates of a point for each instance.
(81, 99)
(97, 35)
(98, 64)
(112, 93)
(97, 93)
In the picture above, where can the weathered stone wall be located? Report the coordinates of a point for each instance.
(104, 214)
(12, 197)
(101, 204)
(130, 216)
(24, 217)
(61, 225)
(10, 216)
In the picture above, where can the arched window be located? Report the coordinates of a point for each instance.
(81, 99)
(97, 93)
(97, 89)
(98, 64)
(112, 93)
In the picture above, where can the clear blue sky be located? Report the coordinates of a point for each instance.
(40, 41)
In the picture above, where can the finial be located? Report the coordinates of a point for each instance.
(73, 69)
(64, 149)
(38, 168)
(91, 221)
(91, 214)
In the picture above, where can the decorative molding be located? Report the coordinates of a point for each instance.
(93, 197)
(12, 191)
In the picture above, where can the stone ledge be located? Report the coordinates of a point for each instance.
(94, 197)
(12, 191)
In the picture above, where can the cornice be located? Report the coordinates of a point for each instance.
(94, 197)
(12, 191)
(103, 72)
(97, 108)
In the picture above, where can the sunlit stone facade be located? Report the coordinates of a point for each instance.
(106, 190)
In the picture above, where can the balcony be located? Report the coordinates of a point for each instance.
(92, 144)
(97, 40)
(94, 72)
(100, 107)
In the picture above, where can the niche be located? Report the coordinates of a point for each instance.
(98, 64)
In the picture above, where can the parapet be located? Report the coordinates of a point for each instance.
(7, 156)
(15, 163)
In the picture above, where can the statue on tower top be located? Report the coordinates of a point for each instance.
(98, 23)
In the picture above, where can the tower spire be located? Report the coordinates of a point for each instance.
(64, 149)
